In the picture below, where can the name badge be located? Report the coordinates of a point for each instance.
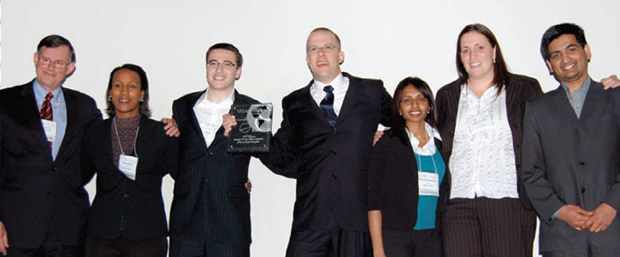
(50, 129)
(128, 165)
(428, 183)
(481, 125)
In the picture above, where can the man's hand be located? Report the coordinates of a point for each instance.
(601, 218)
(610, 82)
(4, 239)
(171, 127)
(574, 216)
(377, 136)
(248, 186)
(228, 121)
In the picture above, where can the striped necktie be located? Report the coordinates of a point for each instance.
(327, 104)
(46, 108)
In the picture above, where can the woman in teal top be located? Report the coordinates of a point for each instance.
(408, 180)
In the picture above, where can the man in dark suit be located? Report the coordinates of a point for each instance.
(210, 213)
(43, 203)
(327, 131)
(571, 148)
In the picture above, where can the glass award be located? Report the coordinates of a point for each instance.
(252, 134)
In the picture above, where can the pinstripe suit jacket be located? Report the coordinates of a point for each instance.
(210, 199)
(519, 90)
(332, 162)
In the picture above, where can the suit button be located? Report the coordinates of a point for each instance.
(48, 193)
(334, 177)
(125, 195)
(202, 180)
(518, 145)
(583, 190)
(333, 151)
(582, 163)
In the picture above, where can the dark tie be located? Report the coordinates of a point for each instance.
(327, 104)
(46, 110)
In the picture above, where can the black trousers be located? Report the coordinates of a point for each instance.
(412, 243)
(331, 242)
(484, 227)
(121, 247)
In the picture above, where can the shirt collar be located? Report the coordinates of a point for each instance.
(429, 148)
(582, 90)
(338, 83)
(42, 92)
(229, 100)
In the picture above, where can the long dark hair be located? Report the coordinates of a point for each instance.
(144, 86)
(398, 122)
(501, 74)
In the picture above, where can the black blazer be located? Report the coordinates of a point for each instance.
(332, 171)
(35, 190)
(570, 160)
(133, 209)
(393, 182)
(209, 193)
(519, 90)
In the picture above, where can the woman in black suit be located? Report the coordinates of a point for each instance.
(408, 181)
(130, 154)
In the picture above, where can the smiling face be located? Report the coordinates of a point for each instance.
(413, 105)
(222, 70)
(568, 61)
(53, 65)
(126, 93)
(323, 56)
(477, 56)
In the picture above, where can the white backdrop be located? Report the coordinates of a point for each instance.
(381, 39)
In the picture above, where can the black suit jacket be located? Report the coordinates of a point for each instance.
(332, 171)
(570, 160)
(37, 193)
(519, 90)
(209, 193)
(393, 182)
(131, 208)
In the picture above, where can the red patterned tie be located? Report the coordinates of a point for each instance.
(46, 110)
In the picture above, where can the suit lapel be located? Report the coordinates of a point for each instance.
(72, 121)
(561, 103)
(194, 120)
(352, 95)
(31, 115)
(595, 98)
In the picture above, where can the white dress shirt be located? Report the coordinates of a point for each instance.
(483, 160)
(209, 115)
(340, 85)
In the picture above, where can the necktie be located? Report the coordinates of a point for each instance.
(327, 104)
(46, 108)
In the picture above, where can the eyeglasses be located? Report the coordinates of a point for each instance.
(227, 65)
(408, 100)
(326, 49)
(58, 64)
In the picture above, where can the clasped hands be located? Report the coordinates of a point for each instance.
(593, 221)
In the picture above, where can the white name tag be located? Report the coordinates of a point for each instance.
(428, 183)
(481, 125)
(50, 129)
(128, 165)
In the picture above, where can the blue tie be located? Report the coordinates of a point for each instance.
(327, 104)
